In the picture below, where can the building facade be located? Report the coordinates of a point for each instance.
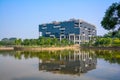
(75, 30)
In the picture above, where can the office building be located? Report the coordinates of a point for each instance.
(76, 30)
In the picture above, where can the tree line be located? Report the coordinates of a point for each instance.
(42, 41)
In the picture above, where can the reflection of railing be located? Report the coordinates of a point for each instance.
(75, 63)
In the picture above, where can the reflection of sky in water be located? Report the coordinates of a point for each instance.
(27, 69)
(105, 71)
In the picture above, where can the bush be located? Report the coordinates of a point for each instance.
(116, 42)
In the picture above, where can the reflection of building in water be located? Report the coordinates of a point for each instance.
(75, 63)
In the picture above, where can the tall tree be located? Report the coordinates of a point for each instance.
(111, 20)
(18, 41)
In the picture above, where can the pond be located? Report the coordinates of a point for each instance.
(60, 65)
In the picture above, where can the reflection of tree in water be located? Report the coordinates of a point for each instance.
(110, 56)
(44, 55)
(7, 53)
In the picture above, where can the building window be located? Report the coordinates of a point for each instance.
(76, 37)
(62, 37)
(76, 42)
(62, 33)
(89, 29)
(89, 32)
(76, 24)
(52, 36)
(67, 37)
(93, 30)
(85, 28)
(83, 33)
(48, 32)
(56, 26)
(62, 29)
(71, 37)
(44, 27)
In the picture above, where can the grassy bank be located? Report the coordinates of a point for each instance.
(36, 48)
(6, 48)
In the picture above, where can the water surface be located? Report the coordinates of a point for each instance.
(60, 65)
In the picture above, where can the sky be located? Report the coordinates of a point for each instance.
(20, 18)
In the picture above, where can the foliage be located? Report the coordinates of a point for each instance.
(116, 42)
(44, 55)
(103, 42)
(42, 41)
(18, 41)
(111, 20)
(7, 41)
(106, 42)
(115, 34)
(111, 56)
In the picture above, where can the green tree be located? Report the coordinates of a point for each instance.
(109, 34)
(112, 17)
(116, 42)
(18, 41)
(103, 41)
(111, 20)
(64, 42)
(54, 41)
(48, 41)
(26, 42)
(6, 41)
(116, 34)
(33, 42)
(41, 41)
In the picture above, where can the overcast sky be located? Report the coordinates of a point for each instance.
(20, 18)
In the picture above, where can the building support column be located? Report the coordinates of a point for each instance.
(69, 37)
(79, 39)
(74, 38)
(60, 37)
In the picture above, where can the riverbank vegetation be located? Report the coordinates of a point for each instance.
(102, 41)
(42, 41)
